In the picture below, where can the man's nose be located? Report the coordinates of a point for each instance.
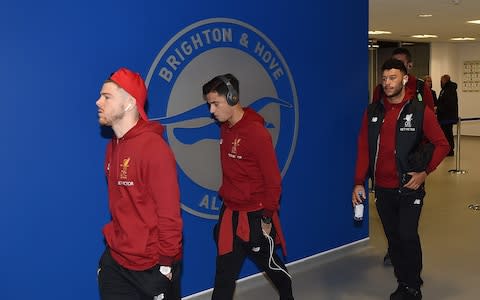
(212, 109)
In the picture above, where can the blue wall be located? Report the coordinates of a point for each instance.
(54, 56)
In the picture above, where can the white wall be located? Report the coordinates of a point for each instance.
(448, 58)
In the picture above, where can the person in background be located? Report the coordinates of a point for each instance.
(447, 109)
(428, 82)
(144, 237)
(249, 224)
(393, 154)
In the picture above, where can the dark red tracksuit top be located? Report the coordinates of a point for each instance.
(144, 199)
(251, 178)
(386, 168)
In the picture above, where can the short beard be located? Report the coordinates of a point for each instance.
(103, 121)
(395, 93)
(109, 121)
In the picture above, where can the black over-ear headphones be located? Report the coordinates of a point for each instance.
(232, 94)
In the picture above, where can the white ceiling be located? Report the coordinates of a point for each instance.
(401, 18)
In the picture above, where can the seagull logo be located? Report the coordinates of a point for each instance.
(189, 59)
(191, 136)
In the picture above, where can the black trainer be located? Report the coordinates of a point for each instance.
(400, 292)
(412, 294)
(403, 292)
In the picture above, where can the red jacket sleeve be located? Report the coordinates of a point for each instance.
(434, 134)
(267, 162)
(363, 160)
(163, 186)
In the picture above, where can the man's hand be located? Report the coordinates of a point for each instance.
(267, 228)
(358, 194)
(416, 181)
(166, 271)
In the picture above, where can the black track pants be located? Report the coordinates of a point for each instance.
(118, 283)
(400, 213)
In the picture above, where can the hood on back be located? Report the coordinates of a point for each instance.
(409, 94)
(452, 85)
(144, 126)
(252, 115)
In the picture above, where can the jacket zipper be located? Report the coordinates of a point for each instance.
(396, 143)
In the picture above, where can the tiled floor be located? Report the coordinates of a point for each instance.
(450, 234)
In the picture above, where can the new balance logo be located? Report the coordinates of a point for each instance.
(159, 297)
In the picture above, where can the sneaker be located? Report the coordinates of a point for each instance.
(398, 293)
(403, 292)
(386, 260)
(412, 294)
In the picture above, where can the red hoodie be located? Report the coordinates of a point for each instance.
(386, 166)
(251, 177)
(144, 199)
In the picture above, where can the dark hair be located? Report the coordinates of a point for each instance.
(393, 63)
(446, 76)
(403, 51)
(219, 86)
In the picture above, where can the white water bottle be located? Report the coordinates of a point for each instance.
(358, 212)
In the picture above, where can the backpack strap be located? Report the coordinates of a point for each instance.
(420, 89)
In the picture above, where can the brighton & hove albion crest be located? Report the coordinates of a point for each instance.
(192, 57)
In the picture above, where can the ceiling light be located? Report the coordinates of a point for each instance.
(474, 22)
(424, 36)
(378, 32)
(373, 46)
(425, 15)
(463, 39)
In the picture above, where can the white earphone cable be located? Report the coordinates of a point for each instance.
(271, 245)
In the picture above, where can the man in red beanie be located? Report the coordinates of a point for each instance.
(144, 236)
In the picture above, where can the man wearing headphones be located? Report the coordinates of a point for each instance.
(144, 236)
(392, 152)
(248, 224)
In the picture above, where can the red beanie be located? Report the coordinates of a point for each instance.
(133, 84)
